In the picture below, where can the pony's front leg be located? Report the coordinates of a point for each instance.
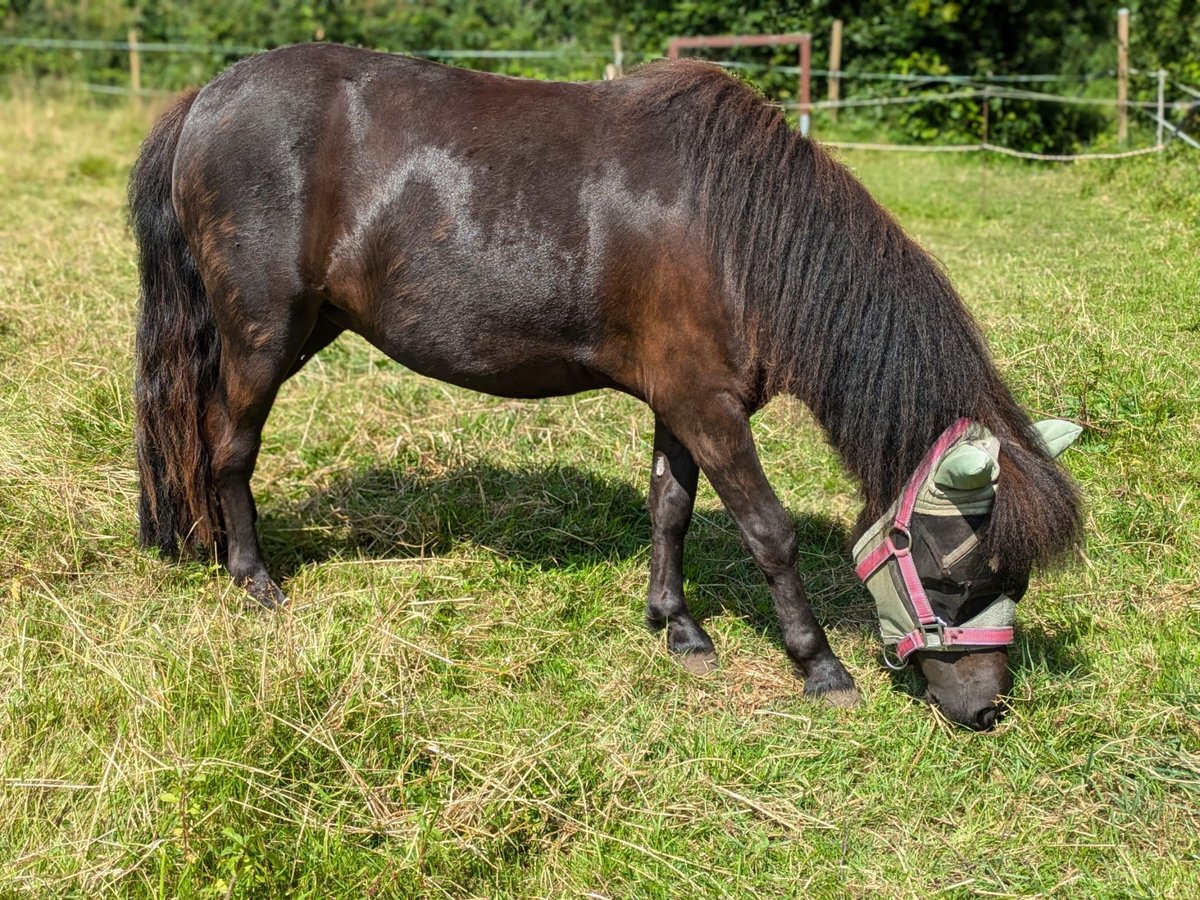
(673, 478)
(717, 432)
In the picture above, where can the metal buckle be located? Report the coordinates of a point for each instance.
(937, 628)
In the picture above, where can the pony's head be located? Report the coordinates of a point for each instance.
(944, 595)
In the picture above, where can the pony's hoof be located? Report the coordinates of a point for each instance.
(840, 699)
(836, 688)
(266, 592)
(699, 663)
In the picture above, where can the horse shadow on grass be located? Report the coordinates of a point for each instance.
(564, 517)
(549, 517)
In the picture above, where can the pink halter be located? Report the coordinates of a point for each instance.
(930, 631)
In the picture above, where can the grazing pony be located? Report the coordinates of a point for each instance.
(666, 234)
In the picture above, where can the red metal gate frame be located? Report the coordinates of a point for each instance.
(802, 41)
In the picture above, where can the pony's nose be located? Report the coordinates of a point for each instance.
(986, 718)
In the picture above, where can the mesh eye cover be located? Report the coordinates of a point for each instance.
(956, 584)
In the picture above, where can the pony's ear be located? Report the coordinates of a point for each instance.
(966, 468)
(1057, 435)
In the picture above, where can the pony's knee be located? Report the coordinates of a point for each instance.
(772, 543)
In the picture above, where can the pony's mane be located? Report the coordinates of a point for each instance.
(845, 310)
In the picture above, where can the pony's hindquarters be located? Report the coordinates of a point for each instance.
(178, 356)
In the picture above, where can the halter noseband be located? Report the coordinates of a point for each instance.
(930, 632)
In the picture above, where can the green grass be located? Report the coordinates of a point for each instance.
(462, 700)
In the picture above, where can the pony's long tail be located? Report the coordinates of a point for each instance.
(178, 357)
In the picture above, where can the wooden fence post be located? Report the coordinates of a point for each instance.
(805, 66)
(1162, 108)
(983, 148)
(135, 64)
(835, 67)
(618, 55)
(1122, 73)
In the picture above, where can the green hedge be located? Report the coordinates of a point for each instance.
(918, 37)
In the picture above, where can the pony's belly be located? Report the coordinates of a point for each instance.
(502, 365)
(530, 380)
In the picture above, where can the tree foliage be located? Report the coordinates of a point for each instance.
(935, 37)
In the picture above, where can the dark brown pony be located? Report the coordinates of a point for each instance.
(667, 235)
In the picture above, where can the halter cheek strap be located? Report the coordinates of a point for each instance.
(931, 632)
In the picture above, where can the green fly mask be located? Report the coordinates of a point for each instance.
(924, 560)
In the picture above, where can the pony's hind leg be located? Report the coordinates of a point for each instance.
(718, 435)
(672, 494)
(256, 357)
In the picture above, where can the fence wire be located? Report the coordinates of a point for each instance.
(971, 87)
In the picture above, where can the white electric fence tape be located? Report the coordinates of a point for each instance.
(972, 83)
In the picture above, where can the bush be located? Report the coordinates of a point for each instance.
(934, 37)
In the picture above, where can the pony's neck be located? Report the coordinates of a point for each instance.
(840, 307)
(837, 304)
(864, 326)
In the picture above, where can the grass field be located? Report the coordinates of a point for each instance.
(462, 701)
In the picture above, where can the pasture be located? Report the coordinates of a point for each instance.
(462, 700)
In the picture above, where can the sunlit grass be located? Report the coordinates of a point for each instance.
(462, 700)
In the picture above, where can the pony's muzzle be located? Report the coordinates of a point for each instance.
(968, 686)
